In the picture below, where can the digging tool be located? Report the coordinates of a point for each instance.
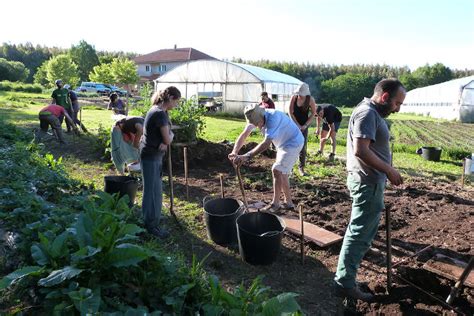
(388, 238)
(241, 184)
(455, 289)
(302, 233)
(221, 180)
(170, 179)
(185, 153)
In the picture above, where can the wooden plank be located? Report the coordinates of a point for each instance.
(313, 233)
(449, 268)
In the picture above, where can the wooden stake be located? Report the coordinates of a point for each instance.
(389, 249)
(170, 179)
(221, 179)
(302, 233)
(241, 184)
(463, 172)
(186, 171)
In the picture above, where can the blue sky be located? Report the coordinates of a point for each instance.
(403, 33)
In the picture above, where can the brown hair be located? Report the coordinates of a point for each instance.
(264, 94)
(165, 95)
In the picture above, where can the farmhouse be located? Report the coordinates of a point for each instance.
(451, 100)
(155, 64)
(235, 84)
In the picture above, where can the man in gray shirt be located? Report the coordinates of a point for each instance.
(369, 166)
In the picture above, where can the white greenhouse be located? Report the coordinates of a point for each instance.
(236, 85)
(451, 100)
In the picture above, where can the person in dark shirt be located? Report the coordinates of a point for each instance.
(126, 135)
(60, 96)
(157, 135)
(331, 118)
(116, 104)
(266, 102)
(302, 111)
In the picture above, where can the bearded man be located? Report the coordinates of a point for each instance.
(369, 166)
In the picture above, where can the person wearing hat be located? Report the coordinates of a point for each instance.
(331, 118)
(280, 130)
(302, 112)
(60, 96)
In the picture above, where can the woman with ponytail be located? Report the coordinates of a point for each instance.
(157, 135)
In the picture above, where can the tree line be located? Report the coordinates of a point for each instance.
(43, 65)
(348, 84)
(337, 84)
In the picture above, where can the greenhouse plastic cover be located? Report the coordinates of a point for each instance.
(452, 99)
(239, 84)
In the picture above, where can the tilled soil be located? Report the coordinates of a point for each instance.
(424, 212)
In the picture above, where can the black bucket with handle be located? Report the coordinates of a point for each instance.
(220, 215)
(431, 153)
(259, 235)
(124, 185)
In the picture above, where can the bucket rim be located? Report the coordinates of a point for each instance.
(114, 178)
(241, 206)
(431, 148)
(282, 223)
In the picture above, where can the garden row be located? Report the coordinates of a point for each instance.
(74, 250)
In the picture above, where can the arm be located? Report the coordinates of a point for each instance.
(264, 145)
(312, 105)
(138, 135)
(116, 154)
(239, 142)
(71, 121)
(166, 134)
(364, 153)
(291, 110)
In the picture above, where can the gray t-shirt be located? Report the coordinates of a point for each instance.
(366, 122)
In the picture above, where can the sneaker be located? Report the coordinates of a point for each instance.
(354, 293)
(272, 208)
(288, 206)
(331, 157)
(158, 232)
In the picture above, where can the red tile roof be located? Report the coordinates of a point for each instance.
(170, 55)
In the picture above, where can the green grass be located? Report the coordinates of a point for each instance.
(410, 132)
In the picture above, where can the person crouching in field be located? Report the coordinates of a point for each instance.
(331, 118)
(126, 135)
(280, 130)
(156, 138)
(369, 166)
(52, 115)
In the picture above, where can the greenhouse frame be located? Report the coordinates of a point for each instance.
(451, 100)
(236, 85)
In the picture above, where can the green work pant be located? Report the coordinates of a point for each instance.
(367, 206)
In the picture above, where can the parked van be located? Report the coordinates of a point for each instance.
(94, 87)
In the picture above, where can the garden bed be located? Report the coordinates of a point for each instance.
(424, 212)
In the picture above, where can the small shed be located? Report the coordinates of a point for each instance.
(235, 84)
(451, 100)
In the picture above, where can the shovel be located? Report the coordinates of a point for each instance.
(241, 184)
(170, 179)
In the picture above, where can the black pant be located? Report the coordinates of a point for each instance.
(303, 150)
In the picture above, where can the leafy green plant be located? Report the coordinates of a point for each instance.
(104, 141)
(189, 116)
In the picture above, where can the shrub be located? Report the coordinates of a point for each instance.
(189, 116)
(23, 87)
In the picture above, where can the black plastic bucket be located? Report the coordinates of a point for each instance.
(122, 185)
(259, 235)
(431, 153)
(220, 215)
